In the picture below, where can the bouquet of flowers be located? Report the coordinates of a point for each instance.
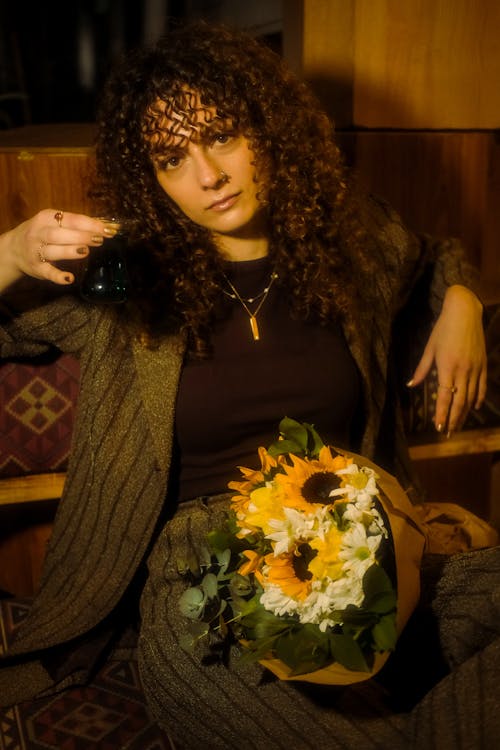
(305, 571)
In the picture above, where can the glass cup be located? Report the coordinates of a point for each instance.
(105, 278)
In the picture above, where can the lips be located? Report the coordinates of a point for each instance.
(224, 203)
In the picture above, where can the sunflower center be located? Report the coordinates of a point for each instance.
(300, 561)
(317, 488)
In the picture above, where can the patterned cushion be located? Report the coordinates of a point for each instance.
(109, 713)
(36, 419)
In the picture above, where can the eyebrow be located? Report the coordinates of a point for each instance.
(164, 142)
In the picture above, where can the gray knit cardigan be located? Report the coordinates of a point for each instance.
(118, 473)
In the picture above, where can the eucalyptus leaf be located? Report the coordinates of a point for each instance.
(204, 557)
(194, 633)
(223, 559)
(209, 585)
(192, 603)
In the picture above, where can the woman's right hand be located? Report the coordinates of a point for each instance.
(34, 247)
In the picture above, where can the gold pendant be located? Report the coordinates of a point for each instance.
(254, 327)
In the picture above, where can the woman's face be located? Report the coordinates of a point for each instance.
(207, 168)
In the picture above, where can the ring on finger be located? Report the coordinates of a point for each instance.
(451, 388)
(41, 256)
(58, 216)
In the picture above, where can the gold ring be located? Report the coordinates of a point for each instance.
(450, 388)
(58, 216)
(41, 256)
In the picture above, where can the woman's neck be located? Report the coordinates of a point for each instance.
(243, 248)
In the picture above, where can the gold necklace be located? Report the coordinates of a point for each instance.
(234, 294)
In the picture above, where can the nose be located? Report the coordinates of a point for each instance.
(210, 174)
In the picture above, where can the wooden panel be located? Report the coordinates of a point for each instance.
(463, 443)
(327, 55)
(432, 64)
(427, 64)
(24, 533)
(465, 480)
(26, 489)
(446, 184)
(44, 166)
(32, 180)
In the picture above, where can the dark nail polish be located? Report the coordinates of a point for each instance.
(82, 250)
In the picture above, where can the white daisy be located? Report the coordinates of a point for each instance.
(298, 526)
(274, 600)
(358, 549)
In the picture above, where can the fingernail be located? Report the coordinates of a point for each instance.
(439, 427)
(448, 434)
(98, 239)
(110, 231)
(82, 250)
(410, 383)
(68, 279)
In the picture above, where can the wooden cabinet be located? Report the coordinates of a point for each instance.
(44, 166)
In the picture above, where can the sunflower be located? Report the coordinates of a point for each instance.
(252, 478)
(252, 565)
(311, 482)
(291, 571)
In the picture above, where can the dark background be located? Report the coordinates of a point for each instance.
(54, 55)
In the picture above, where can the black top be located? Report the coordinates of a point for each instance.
(232, 403)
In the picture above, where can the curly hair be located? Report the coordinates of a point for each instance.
(315, 240)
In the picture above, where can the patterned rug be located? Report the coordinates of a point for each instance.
(106, 715)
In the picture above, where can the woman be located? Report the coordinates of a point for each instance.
(264, 285)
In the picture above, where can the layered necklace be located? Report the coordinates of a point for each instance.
(259, 298)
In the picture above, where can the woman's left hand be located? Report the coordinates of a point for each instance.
(457, 348)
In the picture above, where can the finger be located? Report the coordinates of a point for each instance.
(422, 369)
(54, 274)
(463, 399)
(51, 219)
(45, 255)
(459, 408)
(444, 401)
(76, 237)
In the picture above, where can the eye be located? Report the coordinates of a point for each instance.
(222, 137)
(169, 162)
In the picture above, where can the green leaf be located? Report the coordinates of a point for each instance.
(240, 585)
(245, 607)
(219, 540)
(303, 649)
(379, 592)
(346, 651)
(259, 623)
(356, 617)
(294, 438)
(384, 633)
